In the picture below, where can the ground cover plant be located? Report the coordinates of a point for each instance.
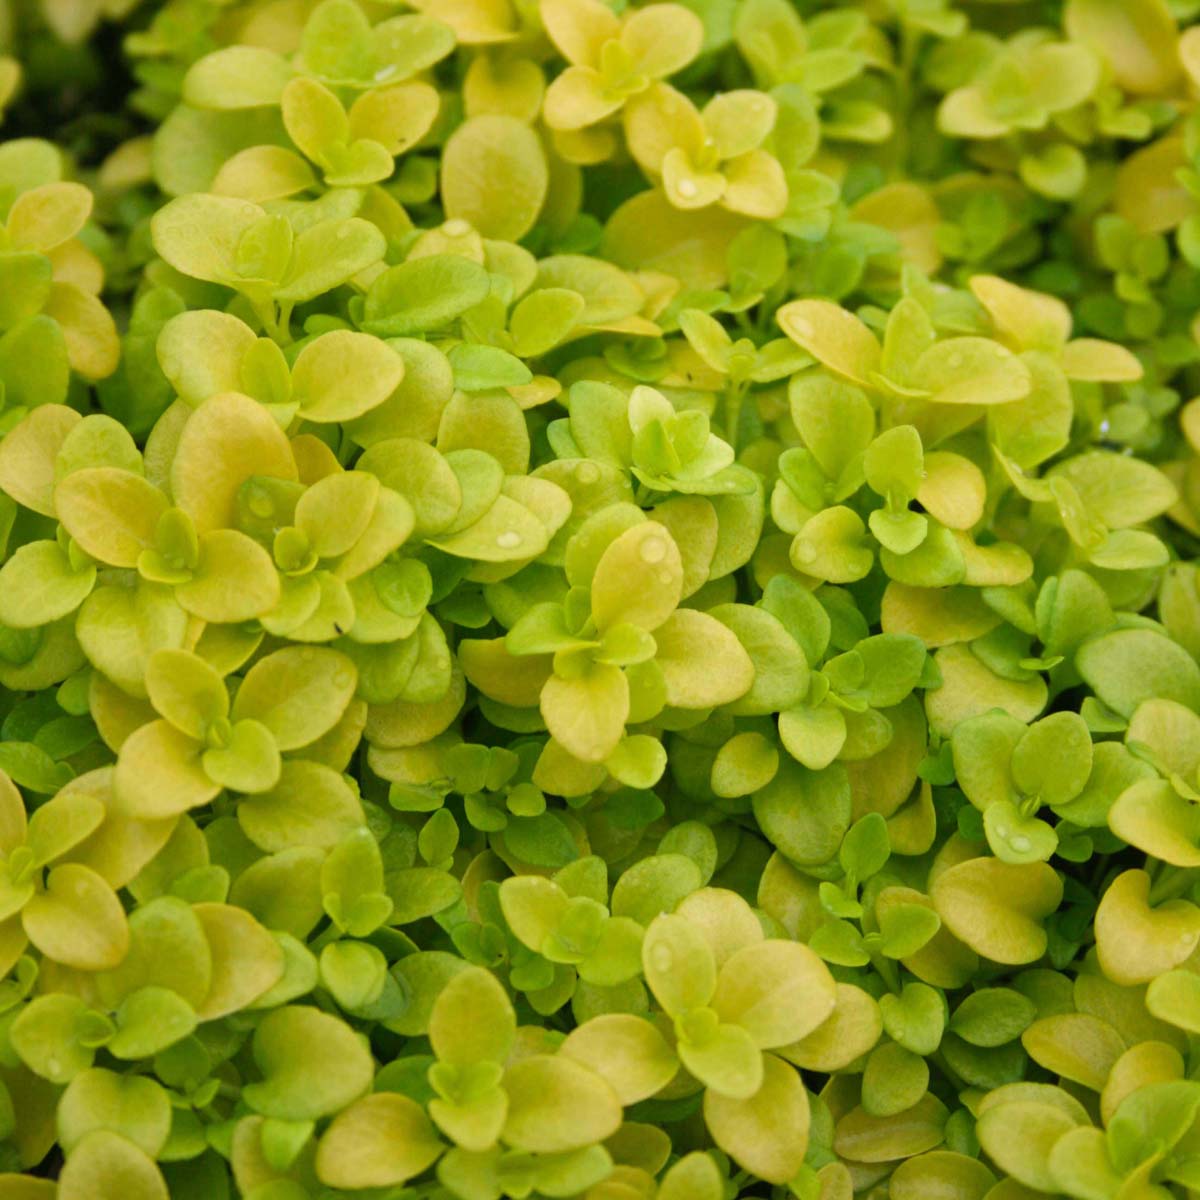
(599, 601)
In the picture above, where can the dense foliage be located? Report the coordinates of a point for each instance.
(599, 601)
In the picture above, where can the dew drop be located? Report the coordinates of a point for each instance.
(687, 188)
(508, 540)
(260, 504)
(1021, 843)
(662, 957)
(385, 72)
(653, 550)
(805, 552)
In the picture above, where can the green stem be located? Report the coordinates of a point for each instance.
(910, 40)
(735, 394)
(330, 934)
(283, 327)
(276, 326)
(888, 971)
(1171, 882)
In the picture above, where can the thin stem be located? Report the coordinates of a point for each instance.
(888, 971)
(910, 40)
(1171, 882)
(735, 393)
(283, 334)
(276, 325)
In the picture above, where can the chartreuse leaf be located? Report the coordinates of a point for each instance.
(236, 77)
(1076, 1046)
(488, 157)
(246, 960)
(225, 441)
(678, 965)
(342, 375)
(78, 920)
(969, 370)
(834, 337)
(722, 1056)
(1172, 998)
(894, 1080)
(1135, 44)
(186, 690)
(626, 1051)
(135, 1107)
(846, 1034)
(45, 1038)
(587, 713)
(112, 513)
(694, 1175)
(1136, 942)
(1151, 813)
(41, 585)
(993, 1016)
(997, 908)
(327, 255)
(875, 1139)
(423, 294)
(940, 1168)
(27, 1187)
(751, 1131)
(297, 693)
(556, 1105)
(149, 1021)
(472, 1020)
(777, 991)
(159, 773)
(379, 1141)
(200, 235)
(638, 579)
(333, 1066)
(1128, 666)
(106, 1165)
(46, 216)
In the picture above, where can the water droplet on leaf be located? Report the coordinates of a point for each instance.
(662, 957)
(653, 550)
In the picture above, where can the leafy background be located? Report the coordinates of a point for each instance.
(598, 601)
